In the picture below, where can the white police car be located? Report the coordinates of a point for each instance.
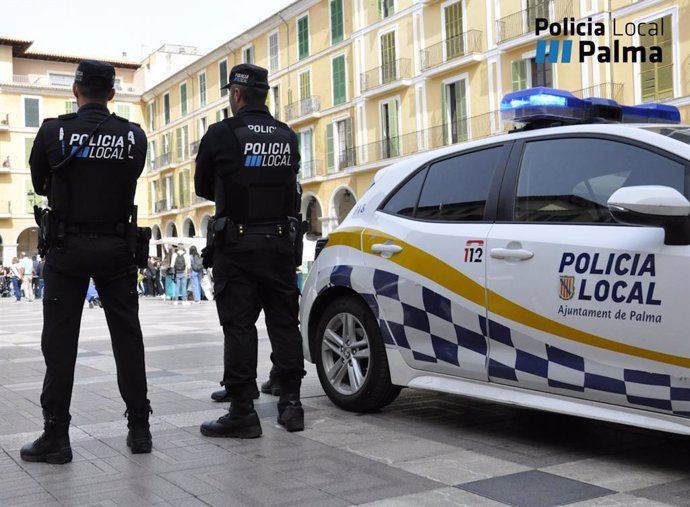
(548, 268)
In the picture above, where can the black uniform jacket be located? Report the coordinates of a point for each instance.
(98, 183)
(221, 158)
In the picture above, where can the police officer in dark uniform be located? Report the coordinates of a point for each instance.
(87, 164)
(248, 165)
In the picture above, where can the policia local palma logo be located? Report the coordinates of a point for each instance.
(615, 53)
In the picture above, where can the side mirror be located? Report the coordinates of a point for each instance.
(653, 206)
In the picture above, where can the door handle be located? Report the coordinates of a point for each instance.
(386, 248)
(511, 253)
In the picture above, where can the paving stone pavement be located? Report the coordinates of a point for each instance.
(425, 449)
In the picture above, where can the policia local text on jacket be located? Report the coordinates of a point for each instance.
(248, 165)
(91, 198)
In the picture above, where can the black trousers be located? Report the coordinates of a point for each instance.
(258, 272)
(68, 268)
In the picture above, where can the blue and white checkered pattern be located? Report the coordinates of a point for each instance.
(435, 330)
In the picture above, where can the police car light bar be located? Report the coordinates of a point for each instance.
(543, 106)
(651, 113)
(541, 103)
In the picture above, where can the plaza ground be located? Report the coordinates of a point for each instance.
(425, 449)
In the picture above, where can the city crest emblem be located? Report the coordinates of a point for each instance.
(566, 287)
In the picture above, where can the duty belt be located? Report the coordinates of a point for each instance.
(107, 229)
(273, 229)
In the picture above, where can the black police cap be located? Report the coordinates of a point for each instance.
(246, 74)
(95, 73)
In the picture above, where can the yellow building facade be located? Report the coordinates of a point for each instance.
(365, 82)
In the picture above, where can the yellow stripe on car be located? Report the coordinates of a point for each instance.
(443, 274)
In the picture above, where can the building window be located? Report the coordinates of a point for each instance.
(453, 24)
(390, 134)
(223, 71)
(455, 112)
(71, 106)
(248, 54)
(337, 22)
(123, 111)
(151, 113)
(386, 8)
(339, 145)
(388, 61)
(339, 88)
(656, 79)
(202, 89)
(303, 37)
(151, 155)
(182, 140)
(273, 52)
(541, 73)
(184, 189)
(61, 79)
(201, 126)
(305, 141)
(166, 108)
(536, 9)
(275, 96)
(31, 112)
(169, 193)
(183, 99)
(518, 73)
(304, 85)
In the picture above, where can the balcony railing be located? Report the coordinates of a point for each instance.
(194, 147)
(53, 82)
(603, 91)
(164, 205)
(162, 161)
(309, 168)
(524, 21)
(464, 129)
(455, 47)
(387, 73)
(303, 108)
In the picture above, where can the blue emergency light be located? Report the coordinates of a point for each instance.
(542, 106)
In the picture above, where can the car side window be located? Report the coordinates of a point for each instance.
(456, 188)
(404, 199)
(570, 180)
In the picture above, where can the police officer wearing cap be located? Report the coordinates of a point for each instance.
(87, 164)
(248, 165)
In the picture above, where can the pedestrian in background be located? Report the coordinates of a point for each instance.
(17, 271)
(91, 199)
(27, 279)
(181, 269)
(196, 273)
(255, 257)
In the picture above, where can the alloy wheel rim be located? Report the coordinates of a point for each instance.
(345, 353)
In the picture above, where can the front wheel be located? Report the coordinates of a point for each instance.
(351, 358)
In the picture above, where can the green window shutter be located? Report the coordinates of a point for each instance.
(461, 109)
(183, 99)
(350, 157)
(304, 85)
(445, 116)
(395, 134)
(303, 37)
(453, 24)
(518, 71)
(656, 79)
(28, 144)
(388, 63)
(330, 148)
(339, 92)
(336, 21)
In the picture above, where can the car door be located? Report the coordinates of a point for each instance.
(426, 247)
(578, 304)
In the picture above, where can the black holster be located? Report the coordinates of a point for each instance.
(52, 231)
(216, 232)
(296, 235)
(138, 239)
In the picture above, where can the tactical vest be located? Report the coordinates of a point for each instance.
(98, 183)
(262, 190)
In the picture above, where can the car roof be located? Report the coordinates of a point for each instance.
(635, 131)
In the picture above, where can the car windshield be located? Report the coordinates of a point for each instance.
(680, 133)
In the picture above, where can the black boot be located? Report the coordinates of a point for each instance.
(241, 421)
(271, 386)
(52, 446)
(139, 438)
(290, 412)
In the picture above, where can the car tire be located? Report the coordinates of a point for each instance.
(351, 357)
